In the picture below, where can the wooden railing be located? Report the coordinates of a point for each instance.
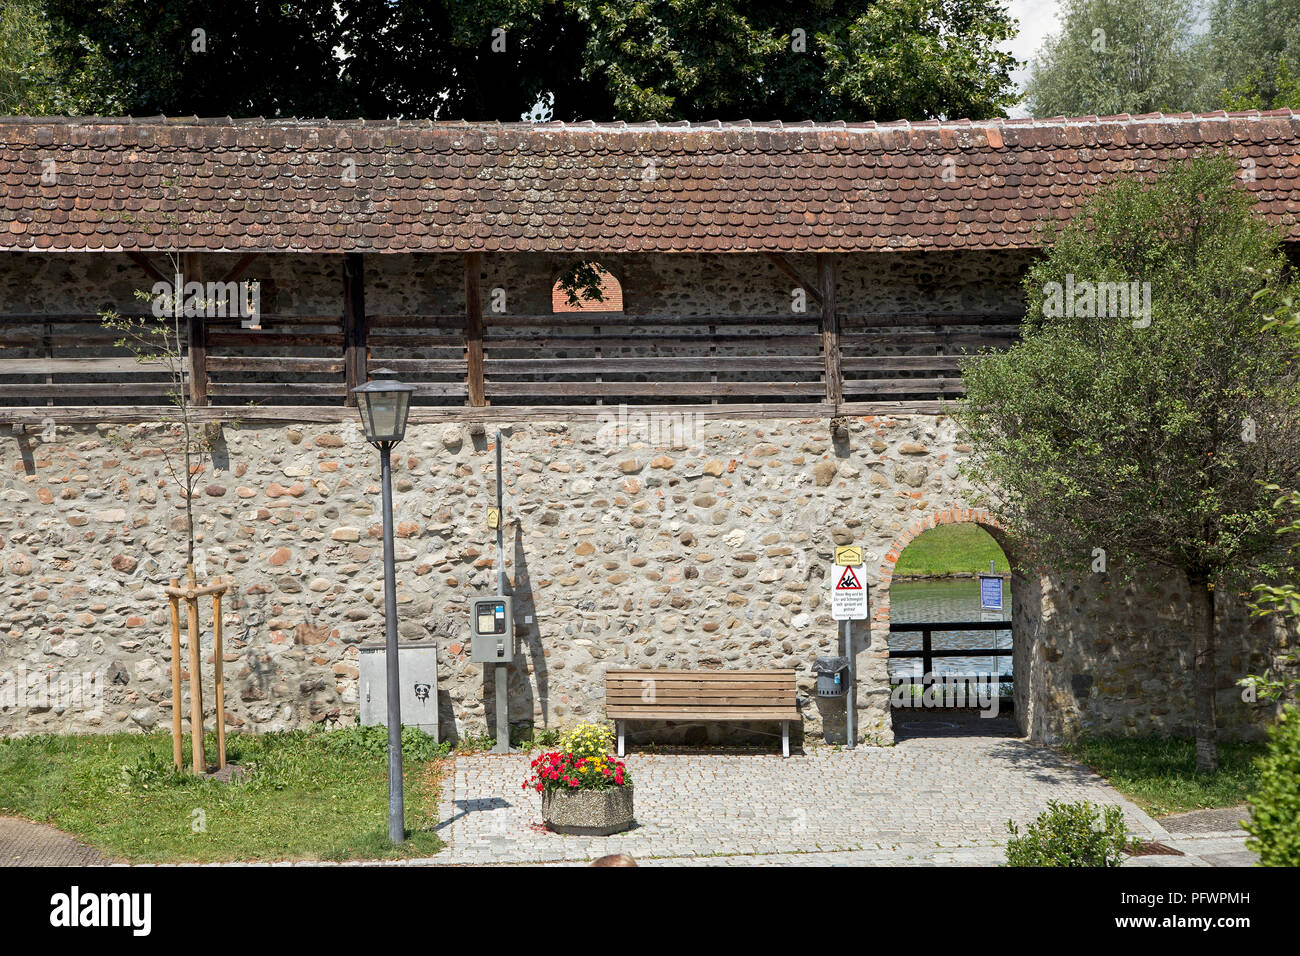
(927, 653)
(477, 364)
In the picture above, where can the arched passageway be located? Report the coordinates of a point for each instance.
(931, 615)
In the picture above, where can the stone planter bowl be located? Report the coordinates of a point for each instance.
(588, 812)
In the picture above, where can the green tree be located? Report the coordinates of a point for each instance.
(1117, 56)
(1254, 54)
(30, 82)
(576, 59)
(1147, 436)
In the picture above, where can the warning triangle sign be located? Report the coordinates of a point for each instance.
(848, 581)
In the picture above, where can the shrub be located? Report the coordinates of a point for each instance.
(1069, 834)
(1274, 825)
(417, 746)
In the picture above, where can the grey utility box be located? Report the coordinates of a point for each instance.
(491, 630)
(832, 676)
(417, 665)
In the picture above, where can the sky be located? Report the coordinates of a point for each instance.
(1037, 19)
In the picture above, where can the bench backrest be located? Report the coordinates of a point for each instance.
(663, 692)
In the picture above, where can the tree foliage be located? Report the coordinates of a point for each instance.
(1149, 441)
(1253, 57)
(1140, 56)
(1117, 56)
(561, 59)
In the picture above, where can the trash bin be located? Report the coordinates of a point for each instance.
(832, 676)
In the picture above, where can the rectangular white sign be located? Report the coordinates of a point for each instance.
(848, 593)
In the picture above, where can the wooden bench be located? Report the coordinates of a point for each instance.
(663, 694)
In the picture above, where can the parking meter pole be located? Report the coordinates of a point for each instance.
(502, 683)
(850, 713)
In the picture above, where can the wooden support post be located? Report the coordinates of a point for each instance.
(196, 681)
(830, 329)
(177, 755)
(192, 267)
(219, 692)
(355, 368)
(474, 381)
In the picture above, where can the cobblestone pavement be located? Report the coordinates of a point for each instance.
(23, 843)
(937, 800)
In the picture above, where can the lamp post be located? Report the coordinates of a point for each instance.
(384, 404)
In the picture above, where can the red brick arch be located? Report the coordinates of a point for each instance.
(880, 611)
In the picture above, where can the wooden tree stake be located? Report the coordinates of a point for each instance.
(217, 669)
(196, 680)
(177, 756)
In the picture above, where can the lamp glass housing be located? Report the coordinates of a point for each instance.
(384, 404)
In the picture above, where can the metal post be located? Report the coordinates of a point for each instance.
(851, 711)
(502, 677)
(396, 810)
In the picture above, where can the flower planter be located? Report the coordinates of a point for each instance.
(588, 812)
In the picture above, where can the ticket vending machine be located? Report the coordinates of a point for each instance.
(492, 630)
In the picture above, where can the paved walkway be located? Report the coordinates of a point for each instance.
(23, 843)
(927, 801)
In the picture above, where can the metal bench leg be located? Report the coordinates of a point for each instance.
(785, 738)
(619, 724)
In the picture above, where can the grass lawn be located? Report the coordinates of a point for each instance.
(952, 549)
(1160, 775)
(310, 795)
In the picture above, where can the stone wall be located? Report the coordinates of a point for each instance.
(707, 546)
(620, 553)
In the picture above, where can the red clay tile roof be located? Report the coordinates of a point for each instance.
(97, 184)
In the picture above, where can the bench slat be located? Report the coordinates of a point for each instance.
(703, 675)
(684, 713)
(633, 698)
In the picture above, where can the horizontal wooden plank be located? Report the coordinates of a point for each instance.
(400, 345)
(720, 389)
(275, 388)
(389, 320)
(663, 688)
(77, 366)
(771, 338)
(732, 700)
(411, 366)
(82, 390)
(613, 319)
(619, 365)
(879, 320)
(265, 363)
(886, 363)
(679, 686)
(702, 713)
(428, 414)
(904, 386)
(699, 672)
(274, 340)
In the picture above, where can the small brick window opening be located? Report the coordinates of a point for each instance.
(610, 289)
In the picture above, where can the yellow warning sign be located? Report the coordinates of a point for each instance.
(494, 517)
(850, 555)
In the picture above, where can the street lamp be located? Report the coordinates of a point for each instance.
(384, 404)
